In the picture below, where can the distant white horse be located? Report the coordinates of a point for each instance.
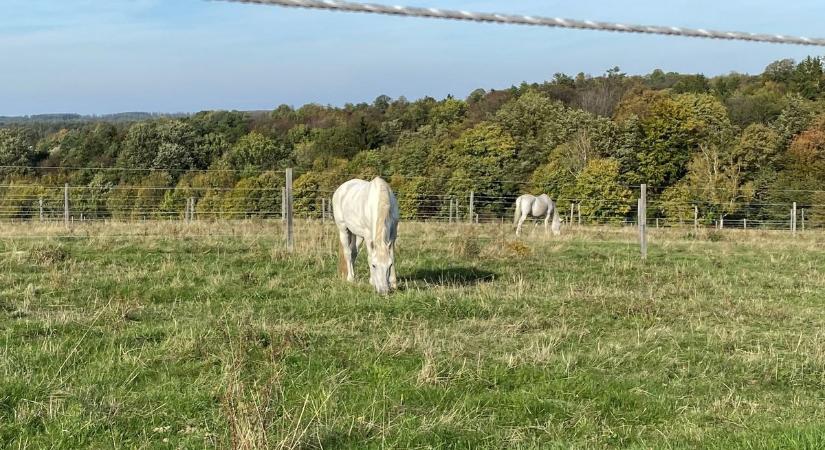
(536, 207)
(367, 211)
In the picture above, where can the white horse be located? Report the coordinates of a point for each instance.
(367, 211)
(536, 207)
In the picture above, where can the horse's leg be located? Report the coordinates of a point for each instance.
(346, 266)
(353, 251)
(393, 279)
(369, 253)
(358, 241)
(349, 250)
(546, 220)
(356, 249)
(520, 222)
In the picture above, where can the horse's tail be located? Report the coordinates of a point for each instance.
(555, 226)
(517, 214)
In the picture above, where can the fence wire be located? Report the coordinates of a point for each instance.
(140, 203)
(555, 22)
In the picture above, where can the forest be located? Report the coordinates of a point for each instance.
(734, 145)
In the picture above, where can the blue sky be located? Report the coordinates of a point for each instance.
(104, 56)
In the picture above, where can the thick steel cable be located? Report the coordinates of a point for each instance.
(434, 13)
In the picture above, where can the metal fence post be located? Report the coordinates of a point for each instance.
(66, 205)
(579, 213)
(40, 203)
(290, 243)
(643, 221)
(323, 210)
(695, 218)
(793, 219)
(472, 206)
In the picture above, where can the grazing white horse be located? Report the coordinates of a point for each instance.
(536, 207)
(367, 211)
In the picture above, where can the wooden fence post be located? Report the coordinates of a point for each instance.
(472, 206)
(40, 203)
(450, 220)
(643, 221)
(803, 219)
(721, 222)
(66, 205)
(571, 214)
(290, 243)
(744, 224)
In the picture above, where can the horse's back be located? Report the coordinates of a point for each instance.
(353, 203)
(348, 202)
(534, 206)
(525, 202)
(350, 190)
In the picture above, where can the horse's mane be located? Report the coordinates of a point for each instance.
(383, 208)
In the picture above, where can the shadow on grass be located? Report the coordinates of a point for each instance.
(450, 276)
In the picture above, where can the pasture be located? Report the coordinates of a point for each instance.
(167, 335)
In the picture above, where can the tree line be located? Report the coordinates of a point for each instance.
(735, 145)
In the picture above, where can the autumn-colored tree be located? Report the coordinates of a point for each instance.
(673, 130)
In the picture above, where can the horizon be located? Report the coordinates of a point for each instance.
(336, 105)
(98, 58)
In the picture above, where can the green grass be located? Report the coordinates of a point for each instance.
(160, 336)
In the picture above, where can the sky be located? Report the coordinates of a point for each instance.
(107, 56)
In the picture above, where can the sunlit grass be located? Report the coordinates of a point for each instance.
(211, 334)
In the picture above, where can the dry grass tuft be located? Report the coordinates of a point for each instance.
(48, 254)
(516, 249)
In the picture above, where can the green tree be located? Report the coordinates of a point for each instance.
(17, 148)
(257, 196)
(715, 179)
(780, 71)
(601, 194)
(451, 111)
(173, 158)
(481, 160)
(140, 147)
(807, 78)
(539, 124)
(673, 130)
(255, 153)
(795, 117)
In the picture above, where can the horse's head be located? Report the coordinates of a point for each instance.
(382, 272)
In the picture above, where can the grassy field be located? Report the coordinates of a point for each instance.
(154, 335)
